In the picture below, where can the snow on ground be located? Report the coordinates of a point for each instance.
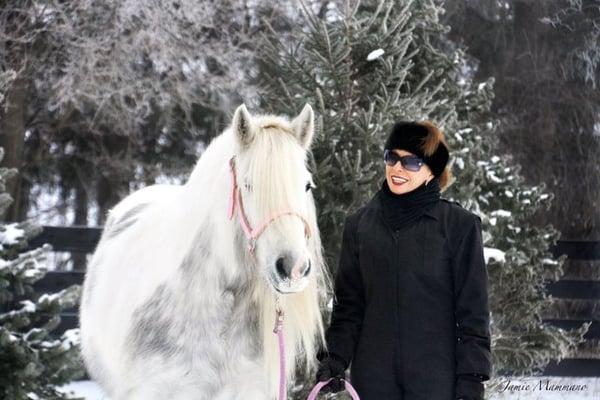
(85, 389)
(532, 388)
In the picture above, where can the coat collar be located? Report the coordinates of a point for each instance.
(433, 212)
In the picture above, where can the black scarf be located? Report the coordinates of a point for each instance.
(402, 209)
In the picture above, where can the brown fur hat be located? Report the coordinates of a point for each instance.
(423, 139)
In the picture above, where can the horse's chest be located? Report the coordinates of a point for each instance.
(175, 323)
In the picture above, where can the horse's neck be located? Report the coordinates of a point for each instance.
(217, 286)
(213, 164)
(218, 241)
(206, 194)
(212, 235)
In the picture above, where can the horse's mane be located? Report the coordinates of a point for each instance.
(303, 326)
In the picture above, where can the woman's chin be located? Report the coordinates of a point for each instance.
(399, 189)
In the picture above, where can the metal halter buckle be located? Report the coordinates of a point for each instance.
(278, 315)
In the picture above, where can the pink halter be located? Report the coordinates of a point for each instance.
(253, 234)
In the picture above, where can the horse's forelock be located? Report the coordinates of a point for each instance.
(274, 122)
(276, 169)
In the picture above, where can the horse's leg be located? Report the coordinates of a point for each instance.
(186, 391)
(158, 378)
(244, 392)
(171, 390)
(247, 383)
(138, 393)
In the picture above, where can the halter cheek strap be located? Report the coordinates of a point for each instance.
(236, 203)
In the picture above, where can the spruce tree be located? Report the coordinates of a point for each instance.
(32, 362)
(367, 64)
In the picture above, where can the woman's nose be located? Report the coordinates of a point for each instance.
(398, 167)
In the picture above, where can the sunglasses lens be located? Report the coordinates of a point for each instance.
(390, 158)
(411, 163)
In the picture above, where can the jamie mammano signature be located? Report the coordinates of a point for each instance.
(542, 384)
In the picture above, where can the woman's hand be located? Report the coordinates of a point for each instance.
(332, 367)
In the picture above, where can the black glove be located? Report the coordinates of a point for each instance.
(331, 366)
(469, 387)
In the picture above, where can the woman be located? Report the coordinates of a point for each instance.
(411, 305)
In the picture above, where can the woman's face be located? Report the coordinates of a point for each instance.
(401, 180)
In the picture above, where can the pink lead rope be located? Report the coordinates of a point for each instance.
(252, 235)
(315, 391)
(278, 330)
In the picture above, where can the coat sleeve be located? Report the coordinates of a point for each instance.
(349, 303)
(471, 309)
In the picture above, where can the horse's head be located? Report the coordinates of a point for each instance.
(275, 194)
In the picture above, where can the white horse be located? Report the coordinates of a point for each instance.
(175, 305)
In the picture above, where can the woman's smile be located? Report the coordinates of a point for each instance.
(398, 180)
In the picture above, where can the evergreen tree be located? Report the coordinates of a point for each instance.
(369, 64)
(32, 362)
(110, 96)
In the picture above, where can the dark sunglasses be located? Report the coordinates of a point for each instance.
(410, 163)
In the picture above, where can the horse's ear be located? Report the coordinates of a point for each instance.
(241, 126)
(304, 126)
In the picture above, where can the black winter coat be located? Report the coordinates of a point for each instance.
(411, 306)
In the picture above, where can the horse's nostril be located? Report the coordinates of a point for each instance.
(280, 267)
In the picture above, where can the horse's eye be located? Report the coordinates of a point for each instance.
(309, 186)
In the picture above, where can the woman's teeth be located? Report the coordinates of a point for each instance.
(398, 180)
